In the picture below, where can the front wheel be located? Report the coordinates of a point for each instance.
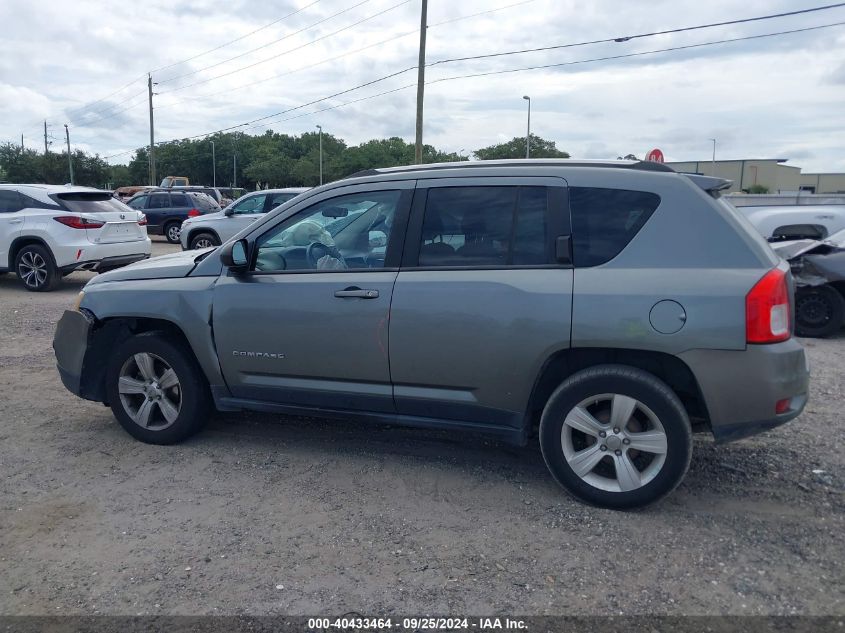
(819, 311)
(204, 240)
(172, 232)
(156, 390)
(616, 436)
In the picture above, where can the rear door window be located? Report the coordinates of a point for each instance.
(485, 226)
(10, 201)
(159, 201)
(604, 221)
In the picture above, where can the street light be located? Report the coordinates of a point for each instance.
(320, 127)
(213, 166)
(528, 133)
(713, 168)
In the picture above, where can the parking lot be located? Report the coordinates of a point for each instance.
(264, 514)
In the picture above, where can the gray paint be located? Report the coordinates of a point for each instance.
(468, 345)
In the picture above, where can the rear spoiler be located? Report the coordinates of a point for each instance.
(711, 184)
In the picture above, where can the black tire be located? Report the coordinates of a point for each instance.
(36, 268)
(194, 405)
(211, 238)
(658, 399)
(819, 311)
(171, 232)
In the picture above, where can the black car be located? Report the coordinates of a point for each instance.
(167, 209)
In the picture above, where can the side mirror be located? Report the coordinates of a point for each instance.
(233, 255)
(229, 212)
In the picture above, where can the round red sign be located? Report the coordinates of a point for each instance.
(655, 155)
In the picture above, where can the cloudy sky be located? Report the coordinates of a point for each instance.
(222, 63)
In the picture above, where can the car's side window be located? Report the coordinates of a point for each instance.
(181, 200)
(255, 204)
(280, 198)
(485, 226)
(159, 201)
(349, 232)
(138, 203)
(604, 221)
(10, 201)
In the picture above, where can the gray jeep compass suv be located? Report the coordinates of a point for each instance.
(611, 309)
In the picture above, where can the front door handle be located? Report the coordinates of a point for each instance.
(16, 221)
(354, 291)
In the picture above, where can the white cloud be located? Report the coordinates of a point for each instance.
(766, 97)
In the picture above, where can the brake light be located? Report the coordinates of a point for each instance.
(77, 222)
(767, 318)
(143, 220)
(194, 213)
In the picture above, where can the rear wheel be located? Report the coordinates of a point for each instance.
(36, 268)
(172, 231)
(156, 390)
(819, 311)
(616, 436)
(204, 240)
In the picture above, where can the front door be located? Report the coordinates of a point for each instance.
(483, 298)
(308, 326)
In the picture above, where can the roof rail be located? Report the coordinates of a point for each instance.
(640, 165)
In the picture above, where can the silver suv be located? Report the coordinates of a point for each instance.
(213, 229)
(610, 309)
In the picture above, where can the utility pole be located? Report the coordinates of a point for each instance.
(69, 160)
(713, 168)
(213, 166)
(234, 170)
(21, 142)
(45, 137)
(418, 151)
(152, 135)
(320, 127)
(528, 132)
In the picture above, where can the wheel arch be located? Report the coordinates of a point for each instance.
(108, 333)
(26, 240)
(670, 369)
(194, 231)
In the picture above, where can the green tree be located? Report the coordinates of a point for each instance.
(757, 189)
(515, 148)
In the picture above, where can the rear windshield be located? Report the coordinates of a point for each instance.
(90, 202)
(205, 202)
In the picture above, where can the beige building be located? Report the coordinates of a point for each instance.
(771, 173)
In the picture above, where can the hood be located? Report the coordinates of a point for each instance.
(166, 266)
(205, 217)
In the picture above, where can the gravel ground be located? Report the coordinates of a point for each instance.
(263, 514)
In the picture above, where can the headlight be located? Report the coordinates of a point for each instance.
(78, 301)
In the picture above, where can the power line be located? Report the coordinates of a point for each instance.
(291, 50)
(638, 54)
(627, 38)
(499, 72)
(258, 48)
(237, 39)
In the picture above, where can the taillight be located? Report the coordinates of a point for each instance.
(194, 213)
(767, 318)
(143, 220)
(76, 222)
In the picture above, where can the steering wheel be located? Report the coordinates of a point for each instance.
(317, 250)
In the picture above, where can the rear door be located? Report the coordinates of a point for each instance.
(11, 223)
(483, 298)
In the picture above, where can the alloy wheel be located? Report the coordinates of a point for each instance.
(203, 242)
(614, 442)
(173, 232)
(32, 269)
(150, 391)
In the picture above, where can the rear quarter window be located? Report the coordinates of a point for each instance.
(604, 221)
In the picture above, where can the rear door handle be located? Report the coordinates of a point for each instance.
(16, 221)
(356, 292)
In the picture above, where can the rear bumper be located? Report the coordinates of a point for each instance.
(741, 388)
(70, 343)
(107, 263)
